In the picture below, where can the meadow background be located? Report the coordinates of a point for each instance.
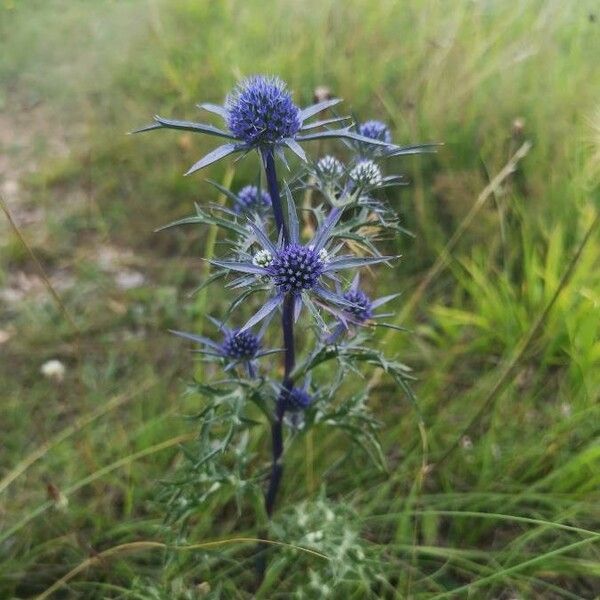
(495, 493)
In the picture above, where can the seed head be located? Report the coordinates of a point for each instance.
(261, 111)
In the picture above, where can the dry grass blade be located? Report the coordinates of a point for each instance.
(62, 435)
(149, 545)
(515, 568)
(40, 268)
(522, 346)
(442, 260)
(97, 475)
(444, 257)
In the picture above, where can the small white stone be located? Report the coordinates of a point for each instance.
(314, 536)
(466, 442)
(53, 369)
(128, 280)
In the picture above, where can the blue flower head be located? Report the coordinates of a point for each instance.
(295, 267)
(261, 112)
(291, 267)
(297, 399)
(240, 345)
(236, 347)
(250, 198)
(361, 308)
(375, 130)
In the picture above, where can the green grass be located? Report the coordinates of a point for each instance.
(512, 510)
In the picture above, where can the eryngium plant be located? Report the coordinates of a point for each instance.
(308, 273)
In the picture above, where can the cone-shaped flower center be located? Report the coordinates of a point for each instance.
(240, 346)
(362, 309)
(296, 268)
(261, 112)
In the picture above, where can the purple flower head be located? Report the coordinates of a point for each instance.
(375, 130)
(261, 112)
(304, 271)
(297, 399)
(250, 198)
(296, 268)
(237, 347)
(240, 345)
(361, 308)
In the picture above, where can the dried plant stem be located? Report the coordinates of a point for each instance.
(446, 254)
(40, 268)
(152, 545)
(68, 431)
(522, 346)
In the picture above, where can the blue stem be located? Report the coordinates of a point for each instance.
(269, 164)
(287, 323)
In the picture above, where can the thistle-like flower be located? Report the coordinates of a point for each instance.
(268, 256)
(260, 114)
(329, 168)
(362, 307)
(236, 347)
(360, 310)
(297, 399)
(378, 131)
(375, 130)
(250, 199)
(295, 268)
(366, 175)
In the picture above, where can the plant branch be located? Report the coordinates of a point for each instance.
(289, 359)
